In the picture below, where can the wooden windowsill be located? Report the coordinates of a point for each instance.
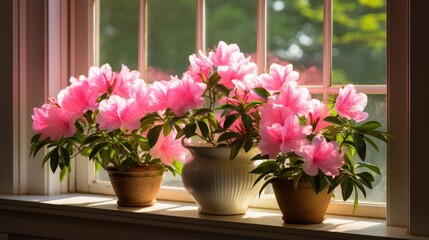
(86, 216)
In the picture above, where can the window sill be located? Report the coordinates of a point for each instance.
(85, 216)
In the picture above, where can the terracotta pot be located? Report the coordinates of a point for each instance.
(301, 205)
(136, 186)
(220, 186)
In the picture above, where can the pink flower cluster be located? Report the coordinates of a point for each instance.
(282, 131)
(120, 100)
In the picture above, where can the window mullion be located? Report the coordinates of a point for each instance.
(261, 36)
(327, 46)
(142, 38)
(200, 38)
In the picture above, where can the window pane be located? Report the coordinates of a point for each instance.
(118, 33)
(295, 32)
(232, 22)
(171, 37)
(359, 42)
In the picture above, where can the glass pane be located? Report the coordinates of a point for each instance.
(118, 33)
(359, 42)
(171, 37)
(295, 35)
(232, 22)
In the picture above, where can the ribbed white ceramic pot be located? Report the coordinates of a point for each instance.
(221, 186)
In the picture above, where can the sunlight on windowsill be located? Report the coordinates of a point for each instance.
(253, 220)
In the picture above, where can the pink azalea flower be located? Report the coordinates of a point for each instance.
(317, 113)
(160, 91)
(273, 113)
(185, 94)
(53, 122)
(285, 137)
(79, 97)
(200, 67)
(271, 139)
(117, 112)
(294, 97)
(168, 149)
(104, 78)
(144, 97)
(278, 76)
(293, 134)
(350, 104)
(321, 155)
(125, 79)
(226, 54)
(235, 71)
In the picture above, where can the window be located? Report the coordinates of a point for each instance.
(349, 49)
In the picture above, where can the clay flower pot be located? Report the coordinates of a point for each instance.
(301, 205)
(136, 186)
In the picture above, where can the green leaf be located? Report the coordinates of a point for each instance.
(370, 166)
(35, 148)
(369, 126)
(97, 166)
(360, 145)
(178, 166)
(35, 138)
(267, 181)
(334, 120)
(230, 120)
(190, 129)
(153, 135)
(47, 157)
(335, 182)
(166, 129)
(366, 179)
(259, 157)
(203, 128)
(359, 185)
(248, 145)
(65, 155)
(97, 148)
(356, 201)
(63, 174)
(266, 167)
(214, 78)
(92, 138)
(227, 136)
(372, 143)
(262, 92)
(55, 159)
(247, 122)
(202, 111)
(225, 91)
(346, 188)
(235, 148)
(128, 162)
(377, 134)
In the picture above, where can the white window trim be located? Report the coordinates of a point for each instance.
(27, 180)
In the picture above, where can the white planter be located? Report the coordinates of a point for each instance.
(221, 186)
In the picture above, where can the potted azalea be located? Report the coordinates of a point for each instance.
(310, 147)
(108, 117)
(215, 110)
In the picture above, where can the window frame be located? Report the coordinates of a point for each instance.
(179, 194)
(400, 211)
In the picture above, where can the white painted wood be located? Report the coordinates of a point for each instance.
(95, 216)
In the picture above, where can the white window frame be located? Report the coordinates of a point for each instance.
(28, 179)
(89, 182)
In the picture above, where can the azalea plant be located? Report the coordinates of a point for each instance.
(109, 117)
(229, 116)
(305, 139)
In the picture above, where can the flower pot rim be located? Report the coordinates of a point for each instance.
(135, 168)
